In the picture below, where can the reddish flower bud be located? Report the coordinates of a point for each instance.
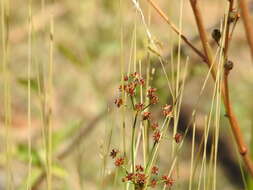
(139, 168)
(178, 137)
(135, 75)
(129, 177)
(125, 78)
(119, 162)
(146, 116)
(114, 153)
(168, 181)
(130, 89)
(141, 179)
(167, 110)
(156, 136)
(154, 99)
(153, 183)
(118, 102)
(139, 107)
(141, 81)
(151, 92)
(122, 88)
(154, 126)
(154, 170)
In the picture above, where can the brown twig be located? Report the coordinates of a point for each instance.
(225, 93)
(247, 23)
(235, 126)
(176, 30)
(227, 29)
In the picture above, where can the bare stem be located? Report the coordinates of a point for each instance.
(235, 126)
(247, 23)
(227, 29)
(133, 142)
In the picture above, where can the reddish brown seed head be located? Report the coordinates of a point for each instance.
(154, 170)
(122, 88)
(118, 102)
(151, 92)
(114, 153)
(141, 81)
(167, 110)
(154, 99)
(139, 168)
(129, 177)
(156, 136)
(140, 179)
(154, 126)
(130, 89)
(139, 106)
(168, 180)
(153, 183)
(146, 116)
(119, 162)
(178, 137)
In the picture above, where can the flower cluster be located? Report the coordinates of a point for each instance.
(153, 98)
(146, 115)
(139, 107)
(167, 110)
(155, 170)
(139, 176)
(131, 82)
(139, 179)
(119, 161)
(156, 136)
(168, 180)
(165, 180)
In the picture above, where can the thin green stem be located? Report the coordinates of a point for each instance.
(133, 142)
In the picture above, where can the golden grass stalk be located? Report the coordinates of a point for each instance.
(7, 91)
(29, 93)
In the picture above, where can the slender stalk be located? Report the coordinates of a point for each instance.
(192, 154)
(248, 23)
(48, 104)
(29, 92)
(6, 90)
(133, 142)
(227, 28)
(178, 74)
(122, 65)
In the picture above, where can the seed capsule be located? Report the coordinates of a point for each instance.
(216, 34)
(229, 65)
